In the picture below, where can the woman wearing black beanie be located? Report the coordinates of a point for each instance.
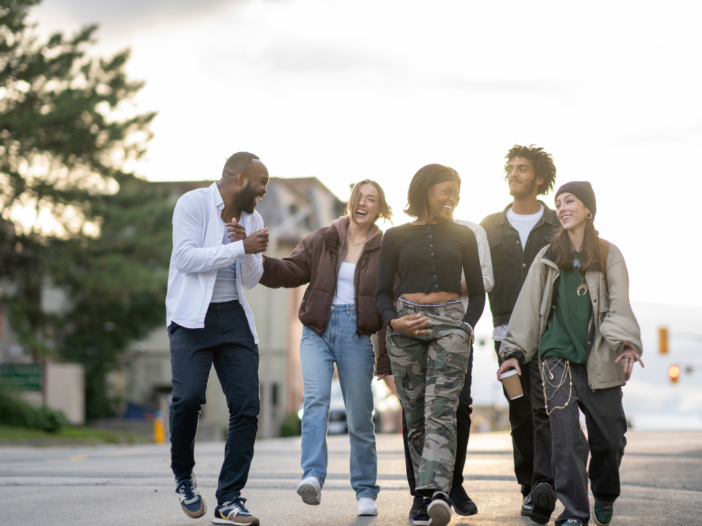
(574, 311)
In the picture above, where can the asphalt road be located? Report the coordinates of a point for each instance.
(132, 485)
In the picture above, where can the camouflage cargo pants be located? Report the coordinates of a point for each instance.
(429, 373)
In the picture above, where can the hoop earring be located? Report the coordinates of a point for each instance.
(589, 215)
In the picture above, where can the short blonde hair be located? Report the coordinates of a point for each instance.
(385, 210)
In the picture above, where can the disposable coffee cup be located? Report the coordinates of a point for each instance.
(512, 384)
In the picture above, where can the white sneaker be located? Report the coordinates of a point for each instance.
(310, 491)
(366, 506)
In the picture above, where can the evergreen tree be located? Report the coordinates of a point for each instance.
(67, 152)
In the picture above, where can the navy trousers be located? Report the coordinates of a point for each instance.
(225, 341)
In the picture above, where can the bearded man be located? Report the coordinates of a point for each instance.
(209, 322)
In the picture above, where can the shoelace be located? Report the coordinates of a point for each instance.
(187, 489)
(236, 504)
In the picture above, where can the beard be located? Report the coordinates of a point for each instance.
(526, 189)
(246, 199)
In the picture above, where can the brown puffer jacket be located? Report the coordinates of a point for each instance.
(316, 260)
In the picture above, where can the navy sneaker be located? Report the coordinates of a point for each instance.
(602, 515)
(190, 499)
(234, 512)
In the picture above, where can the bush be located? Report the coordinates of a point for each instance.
(17, 412)
(291, 426)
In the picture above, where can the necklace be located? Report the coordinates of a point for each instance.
(565, 377)
(583, 286)
(353, 242)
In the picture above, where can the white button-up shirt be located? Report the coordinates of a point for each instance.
(198, 253)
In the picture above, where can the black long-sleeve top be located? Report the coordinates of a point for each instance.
(429, 258)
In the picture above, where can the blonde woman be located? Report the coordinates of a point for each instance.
(340, 264)
(574, 310)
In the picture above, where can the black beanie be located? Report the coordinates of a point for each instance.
(583, 191)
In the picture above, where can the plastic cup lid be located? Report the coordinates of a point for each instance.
(508, 374)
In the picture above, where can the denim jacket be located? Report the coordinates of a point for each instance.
(511, 261)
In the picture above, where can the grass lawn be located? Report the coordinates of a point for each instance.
(67, 436)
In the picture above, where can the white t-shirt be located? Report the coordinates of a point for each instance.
(225, 284)
(524, 223)
(344, 285)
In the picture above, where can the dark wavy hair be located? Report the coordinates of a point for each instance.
(419, 188)
(541, 161)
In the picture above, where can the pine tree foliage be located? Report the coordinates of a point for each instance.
(96, 232)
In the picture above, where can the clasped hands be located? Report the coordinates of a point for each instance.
(253, 244)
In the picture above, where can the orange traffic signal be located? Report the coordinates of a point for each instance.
(663, 340)
(674, 373)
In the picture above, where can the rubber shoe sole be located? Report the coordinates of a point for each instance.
(544, 500)
(440, 513)
(196, 514)
(255, 522)
(309, 494)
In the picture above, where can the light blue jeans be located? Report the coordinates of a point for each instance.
(355, 362)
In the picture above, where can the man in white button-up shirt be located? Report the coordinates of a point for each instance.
(209, 322)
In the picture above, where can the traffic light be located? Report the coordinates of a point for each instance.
(674, 373)
(663, 340)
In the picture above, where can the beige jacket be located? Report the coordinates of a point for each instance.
(614, 321)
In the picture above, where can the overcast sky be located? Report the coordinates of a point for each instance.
(345, 90)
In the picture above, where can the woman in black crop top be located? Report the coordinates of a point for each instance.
(429, 336)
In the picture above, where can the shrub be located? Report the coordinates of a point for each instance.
(290, 426)
(17, 412)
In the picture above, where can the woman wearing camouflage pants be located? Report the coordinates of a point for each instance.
(429, 337)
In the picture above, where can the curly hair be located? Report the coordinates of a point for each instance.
(540, 160)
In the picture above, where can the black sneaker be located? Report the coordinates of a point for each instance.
(191, 501)
(422, 517)
(544, 500)
(417, 503)
(440, 509)
(527, 505)
(235, 513)
(462, 503)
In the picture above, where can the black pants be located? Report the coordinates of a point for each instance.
(463, 422)
(531, 432)
(606, 425)
(227, 342)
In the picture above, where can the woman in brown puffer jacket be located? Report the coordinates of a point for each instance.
(339, 312)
